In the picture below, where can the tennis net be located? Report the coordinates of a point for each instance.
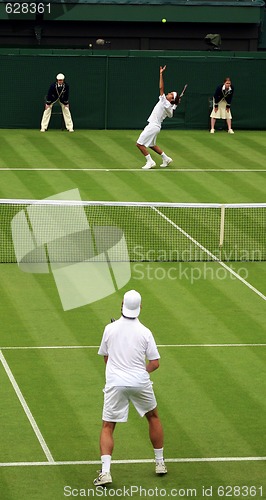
(74, 231)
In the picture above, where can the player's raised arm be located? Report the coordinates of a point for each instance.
(161, 82)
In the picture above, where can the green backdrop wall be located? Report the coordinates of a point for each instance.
(116, 91)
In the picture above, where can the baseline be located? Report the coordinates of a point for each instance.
(20, 348)
(132, 170)
(133, 461)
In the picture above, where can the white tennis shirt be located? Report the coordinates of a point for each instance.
(161, 110)
(127, 343)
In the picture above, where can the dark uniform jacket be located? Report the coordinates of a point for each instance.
(56, 92)
(221, 93)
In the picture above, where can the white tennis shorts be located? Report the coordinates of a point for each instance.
(149, 135)
(117, 399)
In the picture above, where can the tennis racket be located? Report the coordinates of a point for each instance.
(183, 91)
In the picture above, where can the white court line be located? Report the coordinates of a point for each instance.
(52, 462)
(211, 345)
(132, 170)
(26, 409)
(216, 259)
(20, 348)
(51, 347)
(137, 461)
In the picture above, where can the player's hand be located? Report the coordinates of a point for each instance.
(162, 68)
(215, 109)
(47, 106)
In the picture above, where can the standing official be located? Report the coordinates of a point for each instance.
(221, 105)
(58, 91)
(126, 345)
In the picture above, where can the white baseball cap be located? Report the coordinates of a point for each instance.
(60, 76)
(131, 304)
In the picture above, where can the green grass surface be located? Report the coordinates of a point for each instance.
(116, 150)
(211, 398)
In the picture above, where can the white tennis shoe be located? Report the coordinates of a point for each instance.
(149, 164)
(160, 468)
(230, 131)
(212, 131)
(166, 162)
(102, 479)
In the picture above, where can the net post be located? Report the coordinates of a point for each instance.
(222, 230)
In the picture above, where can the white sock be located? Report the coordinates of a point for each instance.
(158, 455)
(164, 156)
(148, 158)
(106, 463)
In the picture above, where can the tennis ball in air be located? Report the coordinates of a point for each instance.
(100, 41)
(163, 20)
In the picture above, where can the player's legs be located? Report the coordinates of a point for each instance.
(156, 437)
(147, 139)
(143, 398)
(106, 438)
(115, 409)
(106, 448)
(142, 149)
(166, 159)
(157, 150)
(155, 428)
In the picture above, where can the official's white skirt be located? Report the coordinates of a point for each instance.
(221, 112)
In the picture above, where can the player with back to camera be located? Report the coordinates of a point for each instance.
(147, 139)
(221, 105)
(58, 91)
(126, 345)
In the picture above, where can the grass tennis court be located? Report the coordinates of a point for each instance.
(209, 326)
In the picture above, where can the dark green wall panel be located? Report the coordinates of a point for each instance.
(117, 92)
